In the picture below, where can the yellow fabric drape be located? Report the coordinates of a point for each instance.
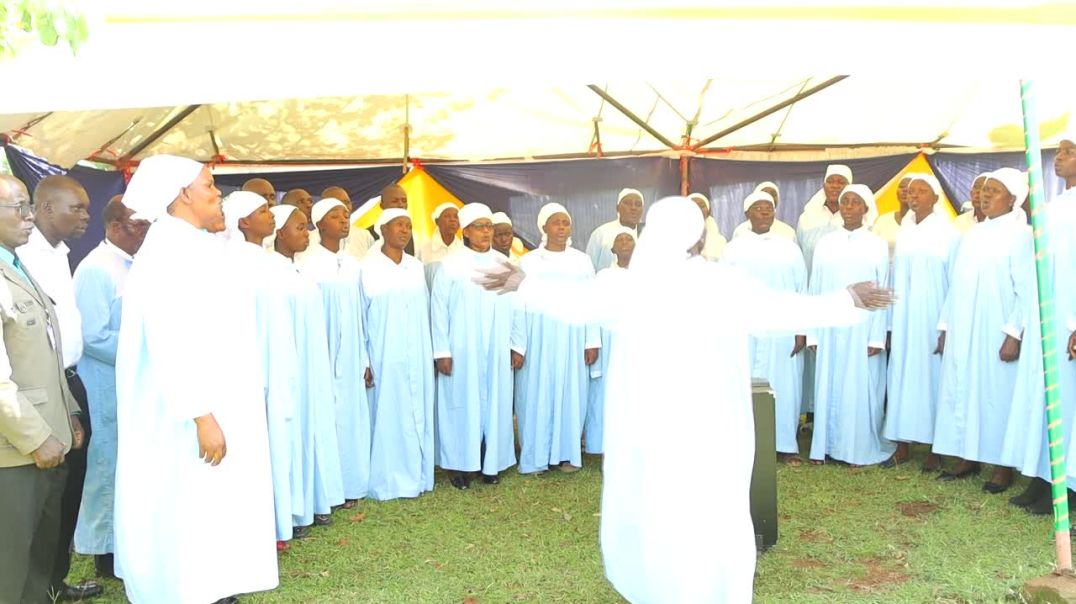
(423, 195)
(887, 195)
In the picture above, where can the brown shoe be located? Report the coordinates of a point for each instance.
(568, 468)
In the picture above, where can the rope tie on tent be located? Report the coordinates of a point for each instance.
(416, 164)
(217, 160)
(596, 139)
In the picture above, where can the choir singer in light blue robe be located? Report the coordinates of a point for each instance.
(925, 245)
(396, 313)
(472, 331)
(850, 369)
(983, 319)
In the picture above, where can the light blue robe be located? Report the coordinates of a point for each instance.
(594, 424)
(992, 277)
(849, 385)
(778, 262)
(396, 313)
(473, 327)
(808, 240)
(99, 284)
(921, 266)
(551, 388)
(1025, 445)
(338, 278)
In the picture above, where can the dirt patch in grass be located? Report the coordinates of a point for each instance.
(916, 509)
(881, 575)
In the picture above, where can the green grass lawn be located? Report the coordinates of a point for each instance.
(847, 535)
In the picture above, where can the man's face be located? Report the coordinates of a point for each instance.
(16, 222)
(128, 234)
(630, 210)
(335, 224)
(502, 238)
(479, 234)
(394, 197)
(921, 197)
(835, 183)
(397, 232)
(294, 236)
(449, 221)
(260, 224)
(1065, 161)
(995, 200)
(976, 192)
(853, 209)
(761, 216)
(902, 191)
(205, 203)
(304, 202)
(68, 211)
(558, 229)
(623, 246)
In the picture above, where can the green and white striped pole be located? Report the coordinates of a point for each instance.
(1055, 430)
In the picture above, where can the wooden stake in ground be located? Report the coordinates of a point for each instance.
(1055, 429)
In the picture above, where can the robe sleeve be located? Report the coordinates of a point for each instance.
(880, 319)
(94, 295)
(594, 248)
(440, 294)
(1022, 275)
(772, 312)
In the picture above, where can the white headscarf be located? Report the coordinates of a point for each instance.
(673, 226)
(239, 204)
(448, 205)
(819, 197)
(157, 183)
(472, 212)
(868, 198)
(281, 214)
(388, 216)
(625, 192)
(323, 207)
(757, 196)
(547, 211)
(501, 218)
(1013, 180)
(930, 179)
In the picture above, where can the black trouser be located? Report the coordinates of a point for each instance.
(30, 502)
(76, 477)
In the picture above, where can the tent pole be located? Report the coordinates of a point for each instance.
(779, 106)
(1055, 434)
(631, 116)
(406, 132)
(158, 133)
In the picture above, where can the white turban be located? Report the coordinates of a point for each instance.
(1012, 179)
(930, 179)
(625, 192)
(839, 170)
(323, 207)
(448, 205)
(673, 226)
(621, 230)
(501, 218)
(756, 197)
(868, 198)
(762, 186)
(700, 197)
(388, 216)
(472, 212)
(237, 205)
(547, 211)
(157, 183)
(281, 214)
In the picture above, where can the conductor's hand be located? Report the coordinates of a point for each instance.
(50, 454)
(940, 348)
(517, 361)
(873, 352)
(444, 366)
(1072, 346)
(1010, 349)
(590, 355)
(78, 435)
(801, 343)
(369, 378)
(502, 279)
(211, 445)
(869, 296)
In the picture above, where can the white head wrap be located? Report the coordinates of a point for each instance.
(700, 197)
(281, 214)
(868, 198)
(621, 230)
(448, 205)
(388, 216)
(157, 183)
(239, 204)
(839, 170)
(625, 192)
(472, 212)
(673, 226)
(1012, 179)
(762, 186)
(323, 207)
(501, 218)
(930, 179)
(547, 211)
(757, 196)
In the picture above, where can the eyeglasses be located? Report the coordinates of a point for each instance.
(26, 210)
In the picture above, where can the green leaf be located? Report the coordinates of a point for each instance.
(46, 30)
(26, 23)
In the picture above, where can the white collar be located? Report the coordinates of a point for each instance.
(37, 239)
(116, 250)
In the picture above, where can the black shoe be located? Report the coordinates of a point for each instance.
(1035, 489)
(994, 488)
(494, 479)
(83, 591)
(228, 600)
(322, 520)
(461, 482)
(1043, 506)
(300, 532)
(104, 566)
(950, 476)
